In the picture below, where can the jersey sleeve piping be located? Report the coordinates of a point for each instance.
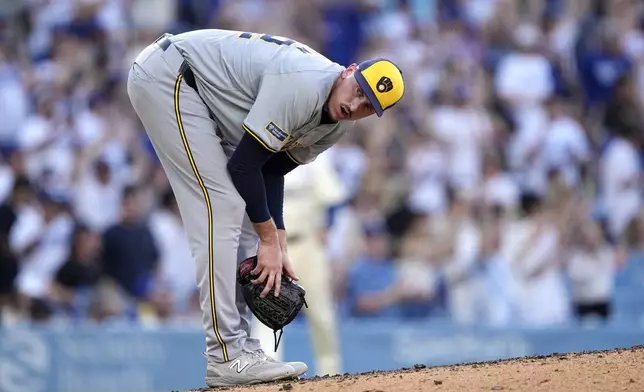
(257, 138)
(293, 158)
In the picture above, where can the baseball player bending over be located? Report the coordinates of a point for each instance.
(230, 113)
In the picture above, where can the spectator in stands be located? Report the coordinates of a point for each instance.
(466, 131)
(39, 135)
(345, 241)
(620, 179)
(130, 254)
(525, 66)
(11, 168)
(349, 160)
(14, 107)
(536, 258)
(456, 245)
(374, 287)
(9, 262)
(526, 159)
(176, 274)
(566, 147)
(496, 299)
(98, 193)
(74, 282)
(591, 264)
(602, 67)
(498, 188)
(91, 123)
(623, 110)
(419, 274)
(427, 172)
(46, 249)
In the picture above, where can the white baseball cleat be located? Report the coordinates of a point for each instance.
(250, 368)
(300, 367)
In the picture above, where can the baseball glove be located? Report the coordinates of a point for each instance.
(274, 312)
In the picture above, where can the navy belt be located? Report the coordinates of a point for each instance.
(164, 42)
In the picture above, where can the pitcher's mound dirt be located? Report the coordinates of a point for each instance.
(615, 370)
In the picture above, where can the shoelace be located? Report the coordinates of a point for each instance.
(257, 354)
(263, 354)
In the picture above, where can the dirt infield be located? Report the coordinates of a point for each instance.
(615, 370)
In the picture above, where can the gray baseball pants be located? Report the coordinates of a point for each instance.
(213, 213)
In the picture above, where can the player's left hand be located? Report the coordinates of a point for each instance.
(287, 266)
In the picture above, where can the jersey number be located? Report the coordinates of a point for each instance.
(274, 40)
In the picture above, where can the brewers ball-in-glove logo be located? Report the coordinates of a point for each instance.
(384, 85)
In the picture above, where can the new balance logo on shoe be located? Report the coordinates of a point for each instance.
(239, 367)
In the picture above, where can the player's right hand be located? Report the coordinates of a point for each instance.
(269, 267)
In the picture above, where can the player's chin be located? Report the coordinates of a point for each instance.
(357, 116)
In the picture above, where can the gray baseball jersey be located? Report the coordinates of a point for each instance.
(270, 86)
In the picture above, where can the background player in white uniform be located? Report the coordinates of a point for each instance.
(308, 193)
(229, 114)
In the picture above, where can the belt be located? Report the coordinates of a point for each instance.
(185, 70)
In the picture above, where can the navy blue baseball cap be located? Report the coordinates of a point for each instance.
(382, 82)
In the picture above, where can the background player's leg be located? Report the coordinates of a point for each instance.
(211, 208)
(309, 260)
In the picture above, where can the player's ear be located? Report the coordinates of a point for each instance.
(349, 70)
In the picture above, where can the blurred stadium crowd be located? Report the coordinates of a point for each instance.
(505, 189)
